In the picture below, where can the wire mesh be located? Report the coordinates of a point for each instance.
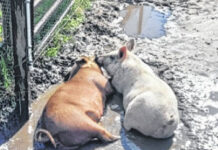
(50, 20)
(7, 96)
(7, 99)
(1, 27)
(5, 23)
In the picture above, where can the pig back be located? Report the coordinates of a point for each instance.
(81, 96)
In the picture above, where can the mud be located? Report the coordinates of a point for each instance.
(186, 57)
(23, 139)
(143, 21)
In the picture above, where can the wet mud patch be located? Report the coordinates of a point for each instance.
(132, 140)
(186, 58)
(9, 128)
(113, 122)
(214, 95)
(143, 21)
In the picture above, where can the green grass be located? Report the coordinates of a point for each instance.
(5, 74)
(66, 28)
(42, 9)
(50, 23)
(1, 33)
(0, 14)
(1, 28)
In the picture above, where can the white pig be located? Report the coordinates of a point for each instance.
(150, 104)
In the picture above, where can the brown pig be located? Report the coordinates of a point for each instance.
(71, 116)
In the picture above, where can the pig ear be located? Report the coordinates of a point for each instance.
(122, 52)
(130, 44)
(71, 74)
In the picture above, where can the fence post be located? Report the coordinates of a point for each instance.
(21, 70)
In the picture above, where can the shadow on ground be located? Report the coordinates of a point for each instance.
(112, 121)
(132, 140)
(10, 128)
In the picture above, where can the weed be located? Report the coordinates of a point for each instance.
(52, 51)
(0, 14)
(5, 74)
(1, 34)
(41, 10)
(1, 28)
(69, 24)
(59, 40)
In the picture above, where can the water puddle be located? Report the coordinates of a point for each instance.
(212, 103)
(214, 95)
(135, 141)
(143, 21)
(212, 110)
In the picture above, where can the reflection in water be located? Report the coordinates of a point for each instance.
(212, 110)
(143, 21)
(127, 144)
(211, 104)
(134, 140)
(214, 95)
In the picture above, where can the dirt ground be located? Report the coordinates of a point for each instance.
(186, 58)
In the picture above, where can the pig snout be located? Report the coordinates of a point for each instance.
(99, 60)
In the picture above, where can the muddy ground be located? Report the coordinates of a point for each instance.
(186, 58)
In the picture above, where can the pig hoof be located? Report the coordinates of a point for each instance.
(113, 138)
(110, 138)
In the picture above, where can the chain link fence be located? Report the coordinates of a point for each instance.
(47, 15)
(6, 58)
(7, 96)
(5, 23)
(47, 19)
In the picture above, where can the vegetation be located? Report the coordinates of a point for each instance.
(50, 23)
(0, 14)
(4, 72)
(5, 60)
(63, 35)
(40, 11)
(1, 28)
(1, 34)
(69, 24)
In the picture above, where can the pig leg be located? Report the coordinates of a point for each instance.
(103, 134)
(106, 136)
(136, 115)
